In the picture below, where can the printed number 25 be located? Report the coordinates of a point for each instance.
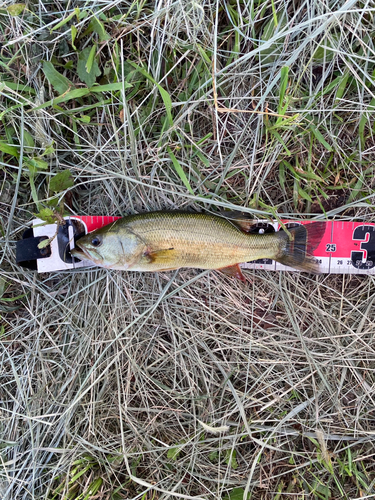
(331, 247)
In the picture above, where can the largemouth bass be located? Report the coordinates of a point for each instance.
(162, 241)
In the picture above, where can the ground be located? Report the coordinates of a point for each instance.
(185, 384)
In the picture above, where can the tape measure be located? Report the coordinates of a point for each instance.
(345, 248)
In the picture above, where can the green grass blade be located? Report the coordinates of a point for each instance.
(179, 170)
(110, 87)
(73, 94)
(283, 87)
(318, 135)
(363, 121)
(163, 93)
(66, 20)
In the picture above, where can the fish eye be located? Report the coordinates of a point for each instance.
(96, 241)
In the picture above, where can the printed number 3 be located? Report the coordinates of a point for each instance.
(365, 257)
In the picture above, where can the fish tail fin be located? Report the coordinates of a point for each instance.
(296, 250)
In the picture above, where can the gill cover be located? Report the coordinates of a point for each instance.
(115, 247)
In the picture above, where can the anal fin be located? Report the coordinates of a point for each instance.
(234, 271)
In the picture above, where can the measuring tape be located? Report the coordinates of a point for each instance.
(345, 248)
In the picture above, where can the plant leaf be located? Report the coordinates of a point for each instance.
(281, 141)
(94, 488)
(235, 494)
(58, 81)
(283, 87)
(73, 94)
(44, 243)
(230, 459)
(8, 309)
(320, 137)
(87, 69)
(47, 215)
(99, 29)
(90, 59)
(19, 87)
(164, 94)
(74, 31)
(341, 88)
(363, 121)
(35, 164)
(28, 139)
(3, 286)
(304, 195)
(66, 20)
(61, 181)
(85, 118)
(9, 150)
(179, 170)
(173, 453)
(110, 87)
(16, 9)
(13, 299)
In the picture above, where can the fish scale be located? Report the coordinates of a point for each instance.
(199, 240)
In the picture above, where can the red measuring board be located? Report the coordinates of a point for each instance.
(346, 247)
(93, 222)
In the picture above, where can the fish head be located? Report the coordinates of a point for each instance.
(110, 248)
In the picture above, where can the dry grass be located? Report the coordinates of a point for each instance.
(106, 376)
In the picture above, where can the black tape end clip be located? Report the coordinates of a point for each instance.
(62, 239)
(27, 251)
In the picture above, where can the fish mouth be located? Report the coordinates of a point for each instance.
(82, 253)
(78, 253)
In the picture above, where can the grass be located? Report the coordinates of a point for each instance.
(106, 376)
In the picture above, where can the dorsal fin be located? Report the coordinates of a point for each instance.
(242, 220)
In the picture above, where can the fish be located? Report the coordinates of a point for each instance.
(164, 241)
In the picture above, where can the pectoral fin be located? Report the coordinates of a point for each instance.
(166, 257)
(234, 271)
